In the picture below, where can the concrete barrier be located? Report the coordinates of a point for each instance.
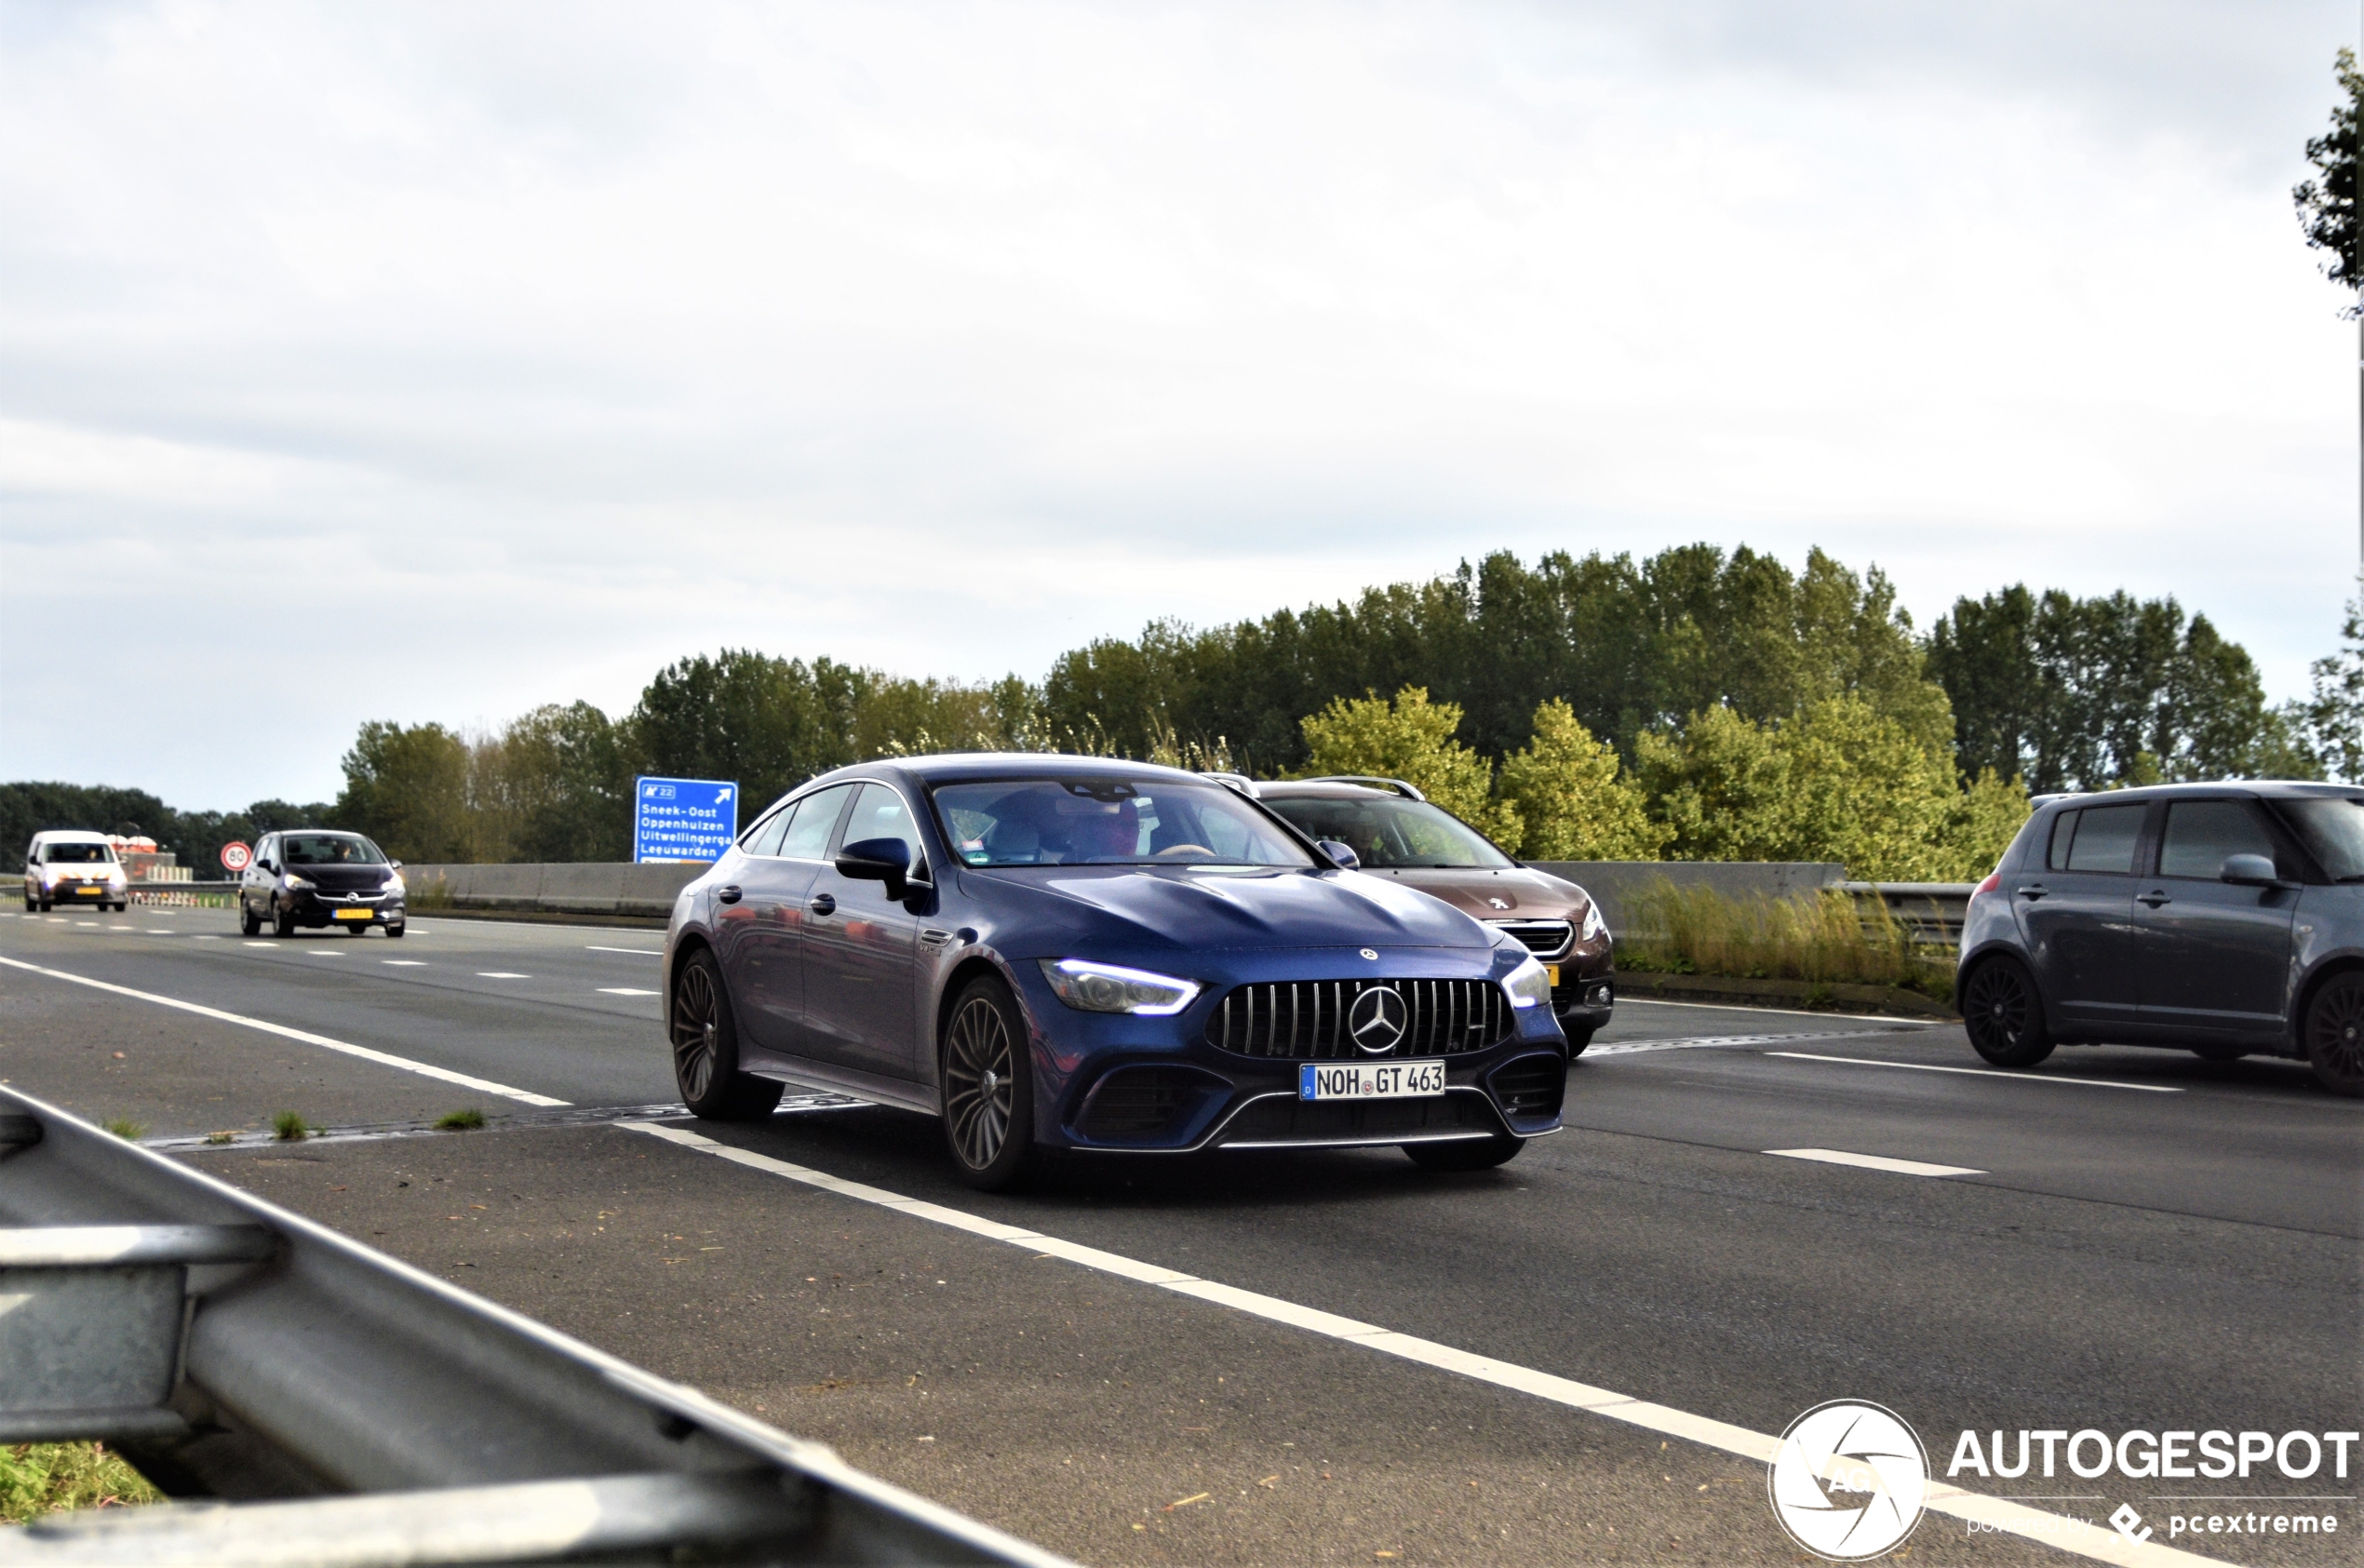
(610, 887)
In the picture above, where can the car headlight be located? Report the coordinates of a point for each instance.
(394, 887)
(1091, 987)
(115, 876)
(1528, 984)
(296, 884)
(1594, 925)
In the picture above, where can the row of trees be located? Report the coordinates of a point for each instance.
(1694, 704)
(195, 836)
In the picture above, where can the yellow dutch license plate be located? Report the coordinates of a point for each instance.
(355, 913)
(1553, 970)
(87, 891)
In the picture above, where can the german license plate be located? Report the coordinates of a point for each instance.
(1368, 1081)
(87, 891)
(355, 913)
(1553, 970)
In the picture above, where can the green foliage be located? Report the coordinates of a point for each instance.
(1572, 796)
(767, 723)
(41, 1477)
(2087, 693)
(466, 1120)
(2326, 727)
(407, 788)
(289, 1127)
(2327, 202)
(123, 1127)
(1828, 937)
(1411, 739)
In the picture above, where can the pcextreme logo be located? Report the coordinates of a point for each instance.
(1848, 1480)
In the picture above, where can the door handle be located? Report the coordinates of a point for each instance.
(2155, 897)
(2033, 890)
(728, 892)
(823, 903)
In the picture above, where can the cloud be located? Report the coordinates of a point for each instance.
(450, 360)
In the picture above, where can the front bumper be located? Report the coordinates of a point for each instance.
(1126, 1084)
(310, 907)
(62, 893)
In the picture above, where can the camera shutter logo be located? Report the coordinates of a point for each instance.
(1849, 1481)
(1378, 1020)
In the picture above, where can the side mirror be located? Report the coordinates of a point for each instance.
(1347, 860)
(2248, 871)
(394, 865)
(267, 866)
(878, 860)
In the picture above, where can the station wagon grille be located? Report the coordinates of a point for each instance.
(1304, 1020)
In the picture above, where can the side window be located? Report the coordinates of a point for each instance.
(267, 852)
(879, 812)
(764, 837)
(2201, 833)
(2063, 830)
(2105, 838)
(808, 836)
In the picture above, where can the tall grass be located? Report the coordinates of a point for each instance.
(39, 1478)
(1828, 938)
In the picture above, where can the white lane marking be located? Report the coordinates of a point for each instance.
(626, 991)
(261, 944)
(1700, 1042)
(404, 963)
(209, 938)
(88, 925)
(1793, 1011)
(636, 952)
(424, 1069)
(324, 953)
(130, 928)
(1979, 1072)
(1876, 1162)
(1998, 1513)
(162, 931)
(500, 974)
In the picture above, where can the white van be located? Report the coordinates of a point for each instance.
(73, 868)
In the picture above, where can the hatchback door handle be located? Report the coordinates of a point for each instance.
(823, 903)
(728, 892)
(2033, 890)
(2155, 897)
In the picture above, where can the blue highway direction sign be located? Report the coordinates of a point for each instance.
(683, 819)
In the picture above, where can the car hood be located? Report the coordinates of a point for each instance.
(1514, 894)
(1171, 907)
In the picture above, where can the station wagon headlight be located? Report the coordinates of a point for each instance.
(1091, 987)
(1528, 984)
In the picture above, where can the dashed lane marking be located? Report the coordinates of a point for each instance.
(1792, 1012)
(1996, 1513)
(1980, 1072)
(1876, 1162)
(404, 963)
(500, 974)
(426, 1069)
(1702, 1042)
(636, 952)
(626, 991)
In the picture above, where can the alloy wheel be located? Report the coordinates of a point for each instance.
(1997, 1006)
(693, 1030)
(980, 1072)
(2336, 1035)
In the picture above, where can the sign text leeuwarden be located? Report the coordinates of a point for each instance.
(683, 819)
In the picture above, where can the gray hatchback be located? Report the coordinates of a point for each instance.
(2225, 919)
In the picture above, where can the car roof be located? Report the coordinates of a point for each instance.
(2261, 789)
(69, 836)
(957, 767)
(1321, 789)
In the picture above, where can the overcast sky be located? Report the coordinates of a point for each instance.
(432, 362)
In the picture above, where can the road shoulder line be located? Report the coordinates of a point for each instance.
(2057, 1531)
(384, 1059)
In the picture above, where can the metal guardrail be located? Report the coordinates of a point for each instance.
(1929, 912)
(359, 1411)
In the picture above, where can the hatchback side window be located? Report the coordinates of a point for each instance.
(2056, 857)
(808, 836)
(2200, 834)
(2105, 838)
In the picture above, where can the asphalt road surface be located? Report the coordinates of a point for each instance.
(2126, 1239)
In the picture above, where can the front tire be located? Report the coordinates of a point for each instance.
(2005, 1015)
(283, 922)
(394, 930)
(249, 923)
(1470, 1155)
(988, 1088)
(2336, 1035)
(705, 1049)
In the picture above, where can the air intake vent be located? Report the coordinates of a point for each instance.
(1314, 1020)
(1139, 1105)
(1532, 1087)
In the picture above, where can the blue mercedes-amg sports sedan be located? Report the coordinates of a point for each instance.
(1063, 953)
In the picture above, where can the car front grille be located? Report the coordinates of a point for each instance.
(1306, 1020)
(1545, 939)
(1136, 1103)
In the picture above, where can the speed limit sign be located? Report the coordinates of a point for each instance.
(234, 856)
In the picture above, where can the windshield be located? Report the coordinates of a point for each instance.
(1393, 833)
(1110, 822)
(328, 848)
(2334, 829)
(76, 854)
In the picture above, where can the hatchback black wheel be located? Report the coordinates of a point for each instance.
(1473, 1153)
(283, 922)
(2005, 1015)
(2335, 1034)
(988, 1088)
(705, 1049)
(249, 923)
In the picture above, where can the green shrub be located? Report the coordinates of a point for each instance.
(131, 1132)
(40, 1478)
(460, 1121)
(288, 1127)
(1826, 939)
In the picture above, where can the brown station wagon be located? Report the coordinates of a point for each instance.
(1394, 832)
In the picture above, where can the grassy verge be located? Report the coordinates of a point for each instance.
(39, 1478)
(1829, 939)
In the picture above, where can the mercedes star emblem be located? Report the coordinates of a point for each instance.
(1371, 954)
(1376, 1021)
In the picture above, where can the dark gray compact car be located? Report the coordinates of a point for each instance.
(2225, 919)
